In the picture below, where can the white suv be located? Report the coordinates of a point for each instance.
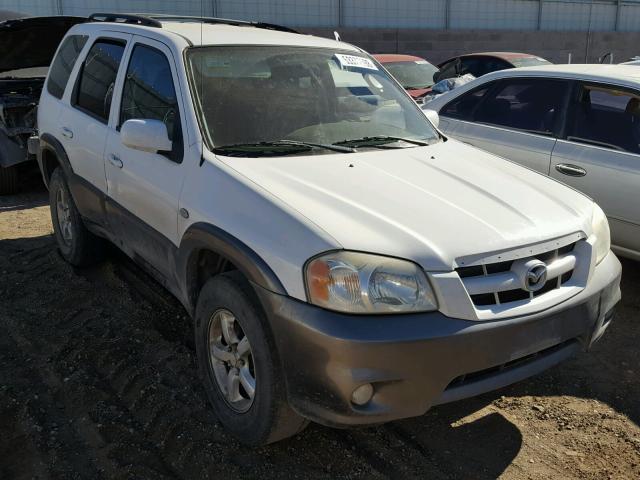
(344, 262)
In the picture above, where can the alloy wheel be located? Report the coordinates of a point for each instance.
(64, 215)
(231, 360)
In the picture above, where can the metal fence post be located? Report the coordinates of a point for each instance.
(540, 5)
(447, 15)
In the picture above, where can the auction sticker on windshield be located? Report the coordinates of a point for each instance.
(353, 61)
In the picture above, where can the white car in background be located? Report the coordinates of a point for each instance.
(577, 123)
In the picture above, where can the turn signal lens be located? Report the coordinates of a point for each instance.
(362, 283)
(600, 226)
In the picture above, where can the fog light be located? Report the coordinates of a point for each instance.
(362, 394)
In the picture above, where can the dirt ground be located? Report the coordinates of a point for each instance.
(97, 380)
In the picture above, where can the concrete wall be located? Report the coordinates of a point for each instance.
(439, 45)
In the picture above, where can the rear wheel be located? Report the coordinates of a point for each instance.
(77, 245)
(8, 180)
(238, 363)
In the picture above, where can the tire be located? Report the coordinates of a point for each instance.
(77, 245)
(8, 180)
(267, 417)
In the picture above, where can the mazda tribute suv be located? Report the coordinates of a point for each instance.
(344, 262)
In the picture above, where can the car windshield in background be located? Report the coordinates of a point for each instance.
(529, 61)
(413, 74)
(270, 101)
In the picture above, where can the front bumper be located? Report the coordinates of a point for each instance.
(415, 361)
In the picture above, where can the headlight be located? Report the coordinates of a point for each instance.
(361, 283)
(600, 227)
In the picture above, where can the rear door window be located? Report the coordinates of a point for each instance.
(94, 88)
(606, 116)
(531, 105)
(64, 63)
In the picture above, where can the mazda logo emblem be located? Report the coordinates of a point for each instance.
(536, 277)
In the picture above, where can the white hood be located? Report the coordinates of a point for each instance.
(429, 204)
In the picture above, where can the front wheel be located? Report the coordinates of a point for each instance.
(238, 363)
(77, 245)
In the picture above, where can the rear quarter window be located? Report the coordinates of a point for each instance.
(64, 63)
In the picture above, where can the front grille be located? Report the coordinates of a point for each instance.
(497, 283)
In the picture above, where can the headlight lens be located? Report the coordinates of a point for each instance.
(600, 226)
(355, 282)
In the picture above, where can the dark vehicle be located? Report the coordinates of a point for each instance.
(478, 64)
(415, 74)
(28, 45)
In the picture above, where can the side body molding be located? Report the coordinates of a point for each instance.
(203, 236)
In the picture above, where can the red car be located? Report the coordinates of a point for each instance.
(415, 74)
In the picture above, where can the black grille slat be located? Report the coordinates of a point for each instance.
(566, 277)
(499, 267)
(513, 295)
(551, 284)
(484, 299)
(474, 271)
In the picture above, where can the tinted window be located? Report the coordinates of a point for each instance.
(528, 104)
(474, 66)
(478, 66)
(149, 91)
(94, 89)
(450, 69)
(606, 117)
(63, 64)
(464, 106)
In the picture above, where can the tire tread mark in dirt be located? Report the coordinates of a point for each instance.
(409, 439)
(367, 452)
(48, 399)
(114, 403)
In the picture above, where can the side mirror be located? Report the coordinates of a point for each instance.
(433, 117)
(146, 134)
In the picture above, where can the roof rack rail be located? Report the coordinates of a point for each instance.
(125, 18)
(223, 21)
(154, 20)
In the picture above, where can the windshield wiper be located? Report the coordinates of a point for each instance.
(380, 141)
(275, 148)
(334, 147)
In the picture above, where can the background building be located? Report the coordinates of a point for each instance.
(435, 29)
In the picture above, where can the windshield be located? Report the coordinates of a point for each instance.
(529, 61)
(413, 75)
(251, 95)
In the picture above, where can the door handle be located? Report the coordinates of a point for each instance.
(115, 160)
(571, 170)
(67, 132)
